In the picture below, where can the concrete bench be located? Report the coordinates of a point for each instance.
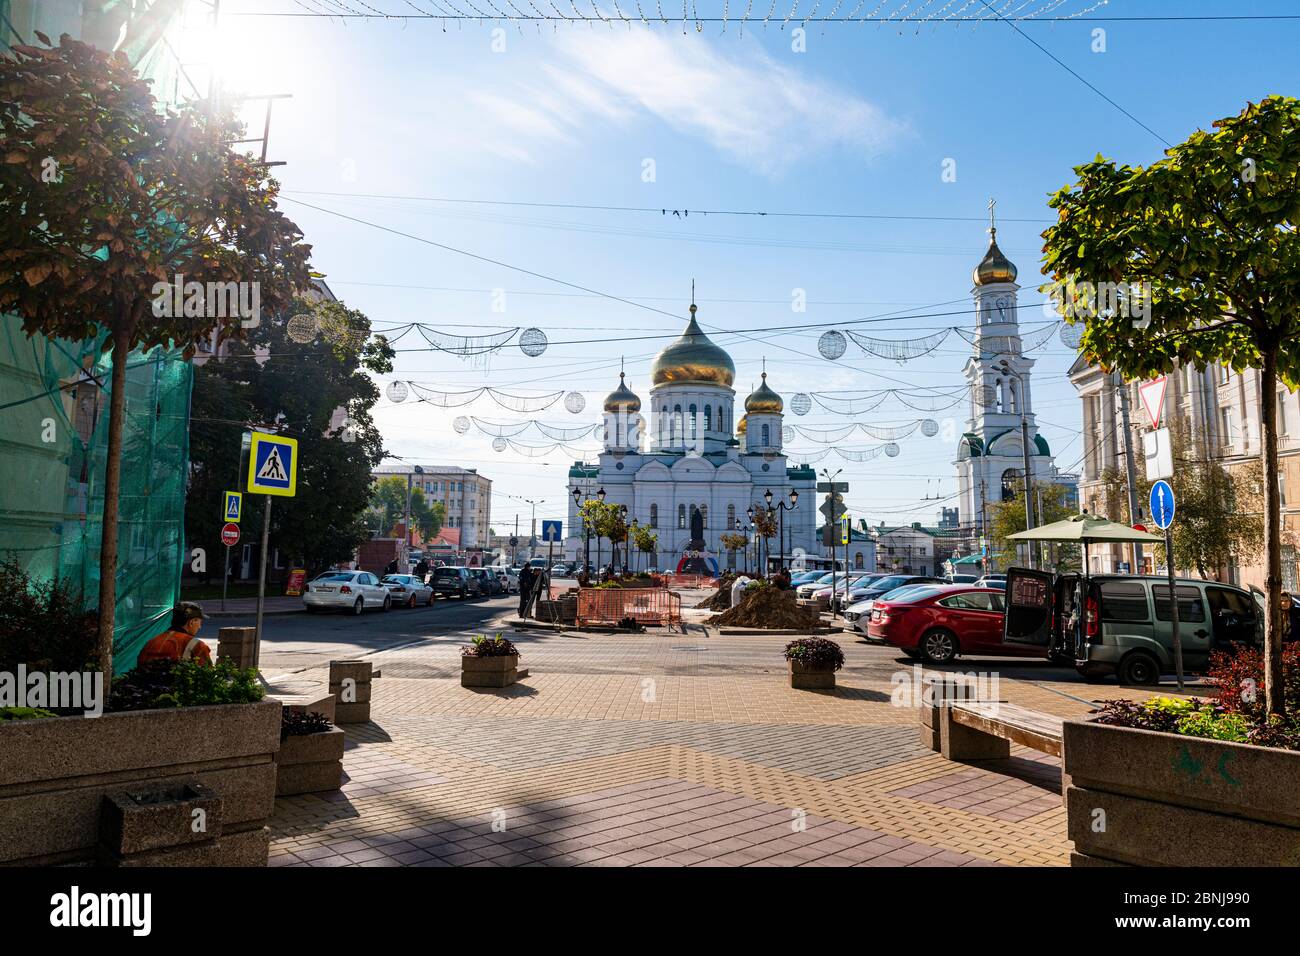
(962, 728)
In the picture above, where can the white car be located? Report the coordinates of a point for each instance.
(510, 577)
(356, 590)
(407, 590)
(992, 581)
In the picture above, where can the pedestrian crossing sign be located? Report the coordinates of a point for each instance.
(273, 465)
(234, 505)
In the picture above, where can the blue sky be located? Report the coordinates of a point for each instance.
(860, 122)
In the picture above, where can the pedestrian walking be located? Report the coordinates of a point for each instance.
(525, 588)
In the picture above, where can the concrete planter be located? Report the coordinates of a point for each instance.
(489, 671)
(1144, 798)
(804, 677)
(350, 685)
(310, 763)
(57, 773)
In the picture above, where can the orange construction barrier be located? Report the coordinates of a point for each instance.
(647, 606)
(691, 581)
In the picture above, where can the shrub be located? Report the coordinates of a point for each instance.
(1239, 678)
(294, 723)
(43, 625)
(184, 684)
(483, 646)
(1193, 717)
(815, 652)
(24, 713)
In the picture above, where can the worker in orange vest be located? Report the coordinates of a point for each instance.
(181, 643)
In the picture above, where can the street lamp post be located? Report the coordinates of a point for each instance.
(406, 524)
(586, 532)
(830, 519)
(1006, 369)
(783, 508)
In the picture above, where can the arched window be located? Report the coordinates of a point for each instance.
(1000, 395)
(663, 425)
(677, 424)
(1009, 479)
(695, 424)
(708, 419)
(1015, 397)
(767, 435)
(731, 516)
(704, 515)
(681, 516)
(654, 516)
(857, 561)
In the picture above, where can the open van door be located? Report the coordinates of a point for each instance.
(1031, 605)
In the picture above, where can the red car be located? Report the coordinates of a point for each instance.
(941, 622)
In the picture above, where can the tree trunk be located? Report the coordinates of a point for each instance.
(112, 485)
(1273, 628)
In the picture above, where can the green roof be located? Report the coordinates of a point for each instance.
(801, 472)
(580, 470)
(973, 442)
(1041, 442)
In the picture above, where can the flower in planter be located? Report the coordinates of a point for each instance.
(483, 646)
(295, 723)
(816, 652)
(1193, 717)
(184, 684)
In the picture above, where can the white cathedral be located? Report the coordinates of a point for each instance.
(990, 455)
(692, 471)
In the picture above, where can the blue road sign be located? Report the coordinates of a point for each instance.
(234, 503)
(1162, 504)
(551, 530)
(273, 465)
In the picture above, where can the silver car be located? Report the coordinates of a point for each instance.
(346, 590)
(407, 590)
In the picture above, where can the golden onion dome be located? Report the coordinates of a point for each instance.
(764, 401)
(994, 267)
(742, 424)
(622, 399)
(693, 359)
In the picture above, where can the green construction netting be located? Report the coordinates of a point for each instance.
(53, 436)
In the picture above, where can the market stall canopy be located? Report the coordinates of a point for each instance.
(1086, 528)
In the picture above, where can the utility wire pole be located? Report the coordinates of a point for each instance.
(1130, 468)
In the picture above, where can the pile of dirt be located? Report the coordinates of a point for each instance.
(720, 599)
(770, 608)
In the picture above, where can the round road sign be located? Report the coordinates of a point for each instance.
(230, 535)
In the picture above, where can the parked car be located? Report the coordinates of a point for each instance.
(940, 623)
(823, 579)
(560, 571)
(992, 581)
(407, 590)
(880, 585)
(841, 599)
(351, 590)
(509, 579)
(963, 578)
(836, 588)
(1122, 624)
(858, 615)
(489, 583)
(452, 579)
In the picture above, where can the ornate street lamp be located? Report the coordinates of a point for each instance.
(783, 508)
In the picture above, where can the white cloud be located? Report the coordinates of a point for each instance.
(760, 113)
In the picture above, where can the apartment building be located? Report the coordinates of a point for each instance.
(1222, 408)
(465, 494)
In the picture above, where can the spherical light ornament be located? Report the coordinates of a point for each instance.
(575, 403)
(461, 424)
(787, 433)
(800, 403)
(532, 342)
(832, 344)
(892, 449)
(1071, 335)
(499, 444)
(341, 332)
(929, 428)
(397, 392)
(302, 328)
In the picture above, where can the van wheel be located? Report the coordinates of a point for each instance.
(939, 647)
(1139, 669)
(359, 606)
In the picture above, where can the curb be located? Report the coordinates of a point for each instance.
(777, 631)
(266, 612)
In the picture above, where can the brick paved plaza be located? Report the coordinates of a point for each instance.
(668, 749)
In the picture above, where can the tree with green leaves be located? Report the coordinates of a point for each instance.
(1052, 502)
(302, 387)
(388, 508)
(104, 201)
(1207, 237)
(644, 538)
(765, 528)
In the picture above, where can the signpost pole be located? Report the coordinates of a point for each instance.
(225, 578)
(1173, 605)
(261, 581)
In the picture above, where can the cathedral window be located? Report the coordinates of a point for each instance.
(767, 435)
(731, 516)
(1009, 478)
(654, 516)
(695, 424)
(677, 424)
(681, 516)
(704, 515)
(708, 419)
